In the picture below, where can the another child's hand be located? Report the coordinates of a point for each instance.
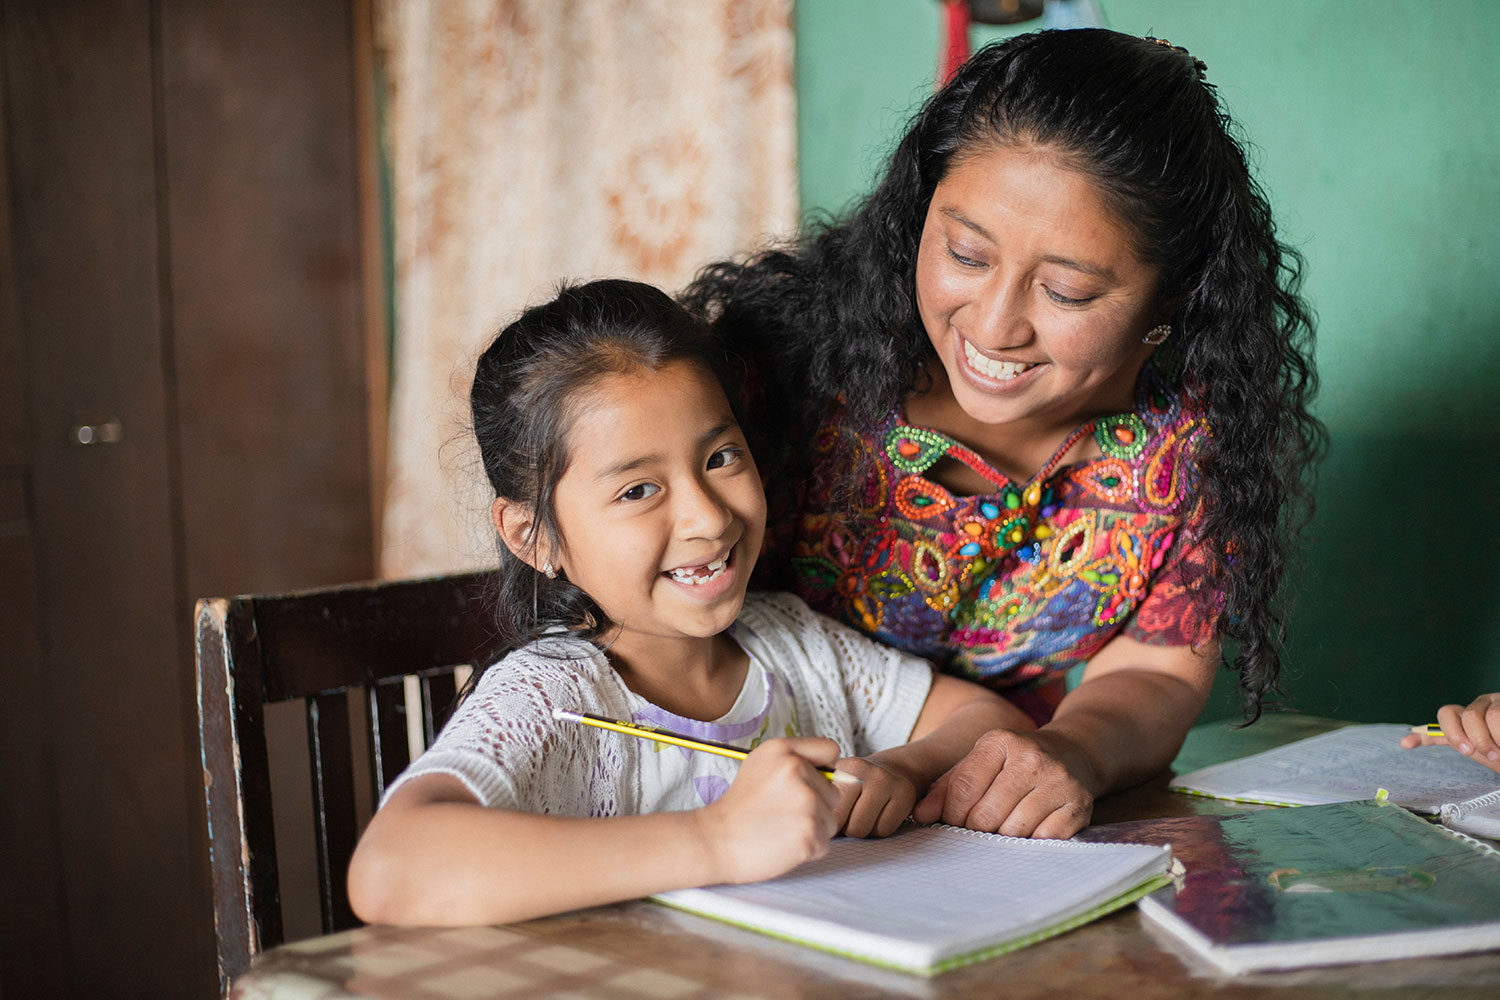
(1473, 730)
(778, 813)
(880, 803)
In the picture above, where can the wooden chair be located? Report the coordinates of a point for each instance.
(316, 646)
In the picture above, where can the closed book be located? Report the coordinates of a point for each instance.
(1321, 885)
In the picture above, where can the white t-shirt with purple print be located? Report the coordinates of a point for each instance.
(808, 676)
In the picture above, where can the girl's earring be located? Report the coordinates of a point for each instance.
(1157, 334)
(548, 571)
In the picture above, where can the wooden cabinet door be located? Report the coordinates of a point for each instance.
(182, 333)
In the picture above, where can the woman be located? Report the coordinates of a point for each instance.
(1045, 397)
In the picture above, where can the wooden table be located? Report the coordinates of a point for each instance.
(645, 951)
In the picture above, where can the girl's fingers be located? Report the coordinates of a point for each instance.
(892, 816)
(848, 798)
(884, 800)
(816, 750)
(867, 819)
(863, 816)
(929, 809)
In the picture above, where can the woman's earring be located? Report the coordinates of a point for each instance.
(1157, 334)
(548, 571)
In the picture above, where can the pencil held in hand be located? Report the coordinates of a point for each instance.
(678, 739)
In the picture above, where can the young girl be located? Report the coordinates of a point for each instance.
(630, 515)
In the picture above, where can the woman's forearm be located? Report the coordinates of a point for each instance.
(1128, 724)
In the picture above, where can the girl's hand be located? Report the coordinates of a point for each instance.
(1472, 730)
(1022, 784)
(778, 813)
(881, 803)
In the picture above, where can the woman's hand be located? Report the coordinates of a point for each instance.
(880, 803)
(778, 813)
(1022, 784)
(1473, 730)
(1123, 723)
(954, 715)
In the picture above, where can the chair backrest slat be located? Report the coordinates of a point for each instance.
(334, 820)
(390, 749)
(438, 692)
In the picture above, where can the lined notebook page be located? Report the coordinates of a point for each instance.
(1348, 764)
(930, 893)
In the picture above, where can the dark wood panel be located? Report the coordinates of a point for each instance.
(32, 959)
(31, 927)
(186, 199)
(268, 309)
(83, 143)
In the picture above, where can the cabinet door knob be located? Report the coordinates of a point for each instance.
(109, 432)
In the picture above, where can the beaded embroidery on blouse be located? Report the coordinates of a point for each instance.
(1016, 586)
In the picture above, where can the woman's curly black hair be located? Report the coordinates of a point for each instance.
(526, 386)
(833, 315)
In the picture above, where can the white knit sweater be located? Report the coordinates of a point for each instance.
(809, 676)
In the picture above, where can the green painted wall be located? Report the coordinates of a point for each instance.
(1377, 135)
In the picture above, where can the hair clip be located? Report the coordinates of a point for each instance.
(1198, 64)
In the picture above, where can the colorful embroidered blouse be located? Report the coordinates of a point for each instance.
(1012, 587)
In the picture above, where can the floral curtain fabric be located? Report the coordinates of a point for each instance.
(530, 141)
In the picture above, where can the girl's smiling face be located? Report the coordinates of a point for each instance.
(660, 510)
(1031, 291)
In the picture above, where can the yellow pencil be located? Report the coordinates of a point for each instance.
(678, 739)
(1430, 729)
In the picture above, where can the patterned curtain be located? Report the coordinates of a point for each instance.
(535, 140)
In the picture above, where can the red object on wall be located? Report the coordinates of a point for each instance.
(956, 47)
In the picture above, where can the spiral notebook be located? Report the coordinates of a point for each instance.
(932, 898)
(1324, 885)
(1354, 763)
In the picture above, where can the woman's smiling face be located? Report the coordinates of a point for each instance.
(1031, 291)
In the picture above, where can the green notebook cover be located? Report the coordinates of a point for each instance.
(931, 898)
(1321, 885)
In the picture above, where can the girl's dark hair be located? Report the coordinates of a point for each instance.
(834, 315)
(526, 384)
